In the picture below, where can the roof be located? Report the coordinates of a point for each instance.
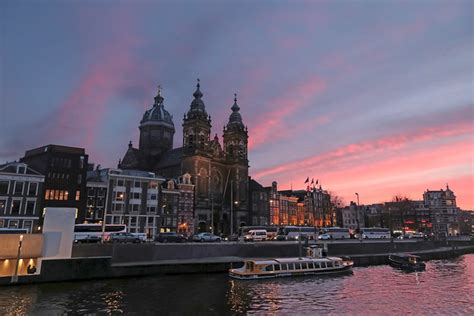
(55, 149)
(171, 158)
(11, 167)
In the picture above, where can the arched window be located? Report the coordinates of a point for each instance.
(191, 140)
(203, 181)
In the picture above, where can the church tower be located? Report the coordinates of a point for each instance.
(236, 137)
(235, 148)
(196, 126)
(156, 132)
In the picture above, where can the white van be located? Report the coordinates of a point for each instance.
(256, 235)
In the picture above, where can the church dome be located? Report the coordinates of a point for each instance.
(158, 114)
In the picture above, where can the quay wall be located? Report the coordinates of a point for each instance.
(122, 253)
(128, 260)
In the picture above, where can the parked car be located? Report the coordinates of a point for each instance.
(143, 237)
(203, 237)
(170, 237)
(324, 237)
(124, 237)
(88, 239)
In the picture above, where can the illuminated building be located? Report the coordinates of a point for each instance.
(65, 170)
(219, 172)
(20, 196)
(444, 212)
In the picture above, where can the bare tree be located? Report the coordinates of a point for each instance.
(337, 203)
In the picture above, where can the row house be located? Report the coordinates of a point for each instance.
(20, 197)
(143, 201)
(444, 212)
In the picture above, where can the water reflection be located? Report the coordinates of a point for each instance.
(445, 287)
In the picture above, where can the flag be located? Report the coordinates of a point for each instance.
(317, 181)
(312, 181)
(307, 180)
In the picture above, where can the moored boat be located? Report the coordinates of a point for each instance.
(407, 262)
(285, 267)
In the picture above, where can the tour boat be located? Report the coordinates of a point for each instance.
(285, 267)
(406, 262)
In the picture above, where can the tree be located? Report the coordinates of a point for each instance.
(401, 205)
(337, 203)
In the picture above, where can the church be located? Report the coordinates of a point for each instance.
(218, 171)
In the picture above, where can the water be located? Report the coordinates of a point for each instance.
(446, 287)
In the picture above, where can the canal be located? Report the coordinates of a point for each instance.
(446, 287)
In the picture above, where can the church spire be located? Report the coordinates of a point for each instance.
(198, 94)
(159, 99)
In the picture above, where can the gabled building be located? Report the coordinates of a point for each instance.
(444, 212)
(21, 190)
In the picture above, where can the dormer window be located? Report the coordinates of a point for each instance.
(21, 169)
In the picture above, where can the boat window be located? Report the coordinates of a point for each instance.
(291, 266)
(311, 265)
(269, 267)
(298, 266)
(336, 263)
(277, 267)
(323, 264)
(304, 265)
(284, 266)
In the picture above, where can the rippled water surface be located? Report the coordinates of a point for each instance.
(446, 287)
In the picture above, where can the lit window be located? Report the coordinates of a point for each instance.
(46, 195)
(78, 195)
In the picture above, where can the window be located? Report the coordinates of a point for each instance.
(15, 209)
(18, 188)
(4, 187)
(30, 207)
(81, 162)
(153, 185)
(79, 179)
(152, 196)
(33, 189)
(119, 196)
(2, 222)
(90, 192)
(134, 207)
(135, 195)
(22, 170)
(3, 206)
(78, 195)
(101, 192)
(151, 209)
(28, 225)
(137, 184)
(269, 267)
(277, 267)
(13, 224)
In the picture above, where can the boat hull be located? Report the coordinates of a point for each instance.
(407, 267)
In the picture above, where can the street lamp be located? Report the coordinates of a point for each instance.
(15, 275)
(358, 217)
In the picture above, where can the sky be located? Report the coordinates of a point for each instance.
(373, 97)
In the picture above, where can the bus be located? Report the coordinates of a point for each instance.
(334, 233)
(375, 233)
(93, 232)
(292, 232)
(271, 231)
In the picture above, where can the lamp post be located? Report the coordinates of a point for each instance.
(15, 275)
(357, 217)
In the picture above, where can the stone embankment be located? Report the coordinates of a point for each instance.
(95, 261)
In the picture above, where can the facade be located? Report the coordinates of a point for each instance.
(143, 201)
(444, 212)
(218, 171)
(65, 171)
(353, 217)
(20, 197)
(259, 203)
(96, 197)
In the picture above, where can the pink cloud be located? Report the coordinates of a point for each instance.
(283, 106)
(373, 146)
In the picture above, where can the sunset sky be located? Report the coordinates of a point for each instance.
(374, 97)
